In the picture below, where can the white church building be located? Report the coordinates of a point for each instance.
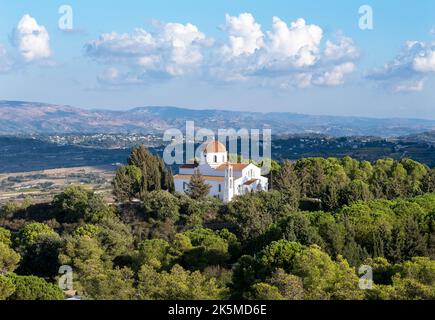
(225, 178)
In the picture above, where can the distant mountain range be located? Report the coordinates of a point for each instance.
(19, 117)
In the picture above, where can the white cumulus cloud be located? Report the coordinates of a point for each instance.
(343, 50)
(31, 39)
(299, 43)
(245, 35)
(425, 62)
(409, 70)
(335, 76)
(174, 50)
(289, 54)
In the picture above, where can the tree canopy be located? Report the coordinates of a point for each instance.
(305, 239)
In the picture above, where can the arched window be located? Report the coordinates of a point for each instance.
(215, 158)
(220, 188)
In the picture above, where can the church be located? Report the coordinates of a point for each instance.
(225, 178)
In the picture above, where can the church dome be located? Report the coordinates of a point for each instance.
(215, 147)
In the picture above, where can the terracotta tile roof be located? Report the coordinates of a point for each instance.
(214, 147)
(236, 166)
(189, 176)
(248, 183)
(189, 166)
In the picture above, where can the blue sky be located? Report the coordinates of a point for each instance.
(225, 54)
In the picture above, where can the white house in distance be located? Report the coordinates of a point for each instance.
(226, 179)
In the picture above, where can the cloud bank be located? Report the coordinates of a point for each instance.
(288, 55)
(173, 50)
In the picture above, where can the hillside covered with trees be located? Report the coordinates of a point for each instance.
(305, 239)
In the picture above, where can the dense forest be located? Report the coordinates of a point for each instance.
(305, 239)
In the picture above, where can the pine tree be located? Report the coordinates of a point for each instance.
(429, 181)
(287, 182)
(414, 242)
(197, 187)
(127, 183)
(395, 247)
(352, 251)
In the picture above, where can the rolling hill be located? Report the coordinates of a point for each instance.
(20, 117)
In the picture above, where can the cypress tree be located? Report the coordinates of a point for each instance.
(287, 182)
(414, 242)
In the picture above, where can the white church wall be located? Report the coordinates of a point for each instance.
(215, 191)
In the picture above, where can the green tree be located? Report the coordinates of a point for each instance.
(195, 212)
(331, 232)
(416, 173)
(161, 205)
(279, 254)
(34, 288)
(84, 254)
(249, 216)
(265, 291)
(127, 183)
(78, 203)
(290, 286)
(197, 188)
(89, 230)
(356, 190)
(412, 280)
(8, 209)
(325, 279)
(7, 287)
(177, 284)
(154, 174)
(352, 251)
(5, 236)
(208, 249)
(109, 284)
(382, 270)
(114, 237)
(414, 242)
(287, 182)
(41, 257)
(379, 181)
(296, 227)
(94, 277)
(167, 179)
(247, 272)
(428, 182)
(157, 253)
(32, 232)
(8, 259)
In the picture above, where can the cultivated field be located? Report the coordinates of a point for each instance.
(42, 185)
